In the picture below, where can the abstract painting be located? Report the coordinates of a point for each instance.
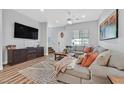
(109, 27)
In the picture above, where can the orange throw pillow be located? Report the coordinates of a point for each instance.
(87, 49)
(86, 55)
(88, 59)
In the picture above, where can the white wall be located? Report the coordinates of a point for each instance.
(54, 34)
(1, 67)
(43, 36)
(116, 45)
(11, 16)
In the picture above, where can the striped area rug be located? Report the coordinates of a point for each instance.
(41, 73)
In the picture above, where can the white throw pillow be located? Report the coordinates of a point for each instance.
(80, 58)
(103, 58)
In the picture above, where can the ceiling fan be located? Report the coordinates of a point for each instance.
(70, 19)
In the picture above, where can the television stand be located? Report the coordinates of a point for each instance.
(16, 56)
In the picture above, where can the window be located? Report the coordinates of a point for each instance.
(80, 38)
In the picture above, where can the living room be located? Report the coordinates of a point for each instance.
(59, 29)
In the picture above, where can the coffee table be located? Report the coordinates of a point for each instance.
(59, 55)
(116, 79)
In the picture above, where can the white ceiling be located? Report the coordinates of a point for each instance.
(61, 15)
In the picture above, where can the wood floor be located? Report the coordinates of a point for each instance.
(10, 74)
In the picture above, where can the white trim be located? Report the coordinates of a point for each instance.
(1, 67)
(46, 54)
(1, 38)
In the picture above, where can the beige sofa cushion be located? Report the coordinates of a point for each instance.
(103, 58)
(117, 61)
(98, 70)
(80, 72)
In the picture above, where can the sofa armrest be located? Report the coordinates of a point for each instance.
(103, 71)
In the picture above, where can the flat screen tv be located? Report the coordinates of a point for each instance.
(26, 32)
(109, 27)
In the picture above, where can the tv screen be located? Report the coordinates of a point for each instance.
(23, 31)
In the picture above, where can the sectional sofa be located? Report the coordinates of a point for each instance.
(96, 73)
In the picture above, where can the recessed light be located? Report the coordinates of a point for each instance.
(57, 21)
(83, 16)
(69, 22)
(42, 10)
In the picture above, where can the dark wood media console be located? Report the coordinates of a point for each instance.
(16, 56)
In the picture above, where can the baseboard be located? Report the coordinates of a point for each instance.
(45, 54)
(1, 67)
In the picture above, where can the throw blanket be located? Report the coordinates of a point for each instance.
(62, 65)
